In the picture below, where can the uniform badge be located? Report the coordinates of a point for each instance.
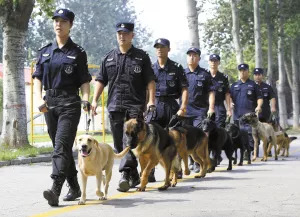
(199, 83)
(45, 54)
(69, 69)
(220, 89)
(171, 83)
(249, 92)
(265, 94)
(110, 59)
(137, 69)
(71, 57)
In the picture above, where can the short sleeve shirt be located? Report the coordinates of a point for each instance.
(244, 96)
(128, 76)
(169, 80)
(62, 68)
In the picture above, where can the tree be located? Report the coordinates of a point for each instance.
(192, 17)
(282, 78)
(14, 19)
(236, 32)
(257, 35)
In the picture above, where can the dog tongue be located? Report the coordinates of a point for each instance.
(84, 153)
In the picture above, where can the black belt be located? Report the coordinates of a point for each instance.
(165, 98)
(58, 92)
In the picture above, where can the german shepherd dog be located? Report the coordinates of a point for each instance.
(152, 145)
(192, 141)
(263, 131)
(238, 143)
(218, 140)
(283, 143)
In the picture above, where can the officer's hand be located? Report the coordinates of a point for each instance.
(229, 114)
(258, 110)
(273, 110)
(86, 106)
(228, 119)
(94, 107)
(43, 107)
(210, 113)
(181, 112)
(151, 107)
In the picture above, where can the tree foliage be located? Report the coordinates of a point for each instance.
(94, 27)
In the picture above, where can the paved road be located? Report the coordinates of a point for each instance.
(260, 189)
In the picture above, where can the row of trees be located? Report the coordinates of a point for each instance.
(263, 33)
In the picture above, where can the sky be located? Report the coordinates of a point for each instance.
(164, 18)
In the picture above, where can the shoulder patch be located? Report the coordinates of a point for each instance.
(45, 46)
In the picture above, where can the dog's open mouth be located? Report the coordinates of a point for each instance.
(84, 152)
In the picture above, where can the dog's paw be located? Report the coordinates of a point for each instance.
(81, 202)
(187, 172)
(199, 176)
(99, 194)
(173, 184)
(140, 189)
(163, 188)
(254, 159)
(102, 198)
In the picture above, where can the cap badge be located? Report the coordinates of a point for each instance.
(158, 41)
(214, 55)
(60, 11)
(242, 65)
(122, 25)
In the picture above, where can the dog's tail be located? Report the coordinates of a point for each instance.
(122, 153)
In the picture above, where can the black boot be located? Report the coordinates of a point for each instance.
(151, 177)
(134, 179)
(124, 182)
(191, 163)
(74, 189)
(53, 194)
(196, 167)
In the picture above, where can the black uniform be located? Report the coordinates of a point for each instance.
(200, 84)
(221, 87)
(170, 81)
(128, 76)
(268, 94)
(245, 96)
(62, 72)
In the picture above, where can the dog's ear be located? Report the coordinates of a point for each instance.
(140, 124)
(127, 116)
(95, 142)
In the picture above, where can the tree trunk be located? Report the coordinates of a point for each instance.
(192, 17)
(14, 19)
(282, 78)
(295, 87)
(257, 35)
(270, 29)
(236, 32)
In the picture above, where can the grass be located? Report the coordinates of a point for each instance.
(7, 154)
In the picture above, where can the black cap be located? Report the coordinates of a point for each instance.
(125, 26)
(258, 71)
(243, 66)
(162, 41)
(214, 57)
(195, 50)
(64, 14)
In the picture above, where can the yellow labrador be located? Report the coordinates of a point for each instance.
(93, 158)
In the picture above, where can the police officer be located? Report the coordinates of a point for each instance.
(268, 96)
(221, 86)
(201, 93)
(246, 97)
(128, 72)
(171, 83)
(61, 70)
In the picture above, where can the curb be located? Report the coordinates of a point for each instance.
(30, 160)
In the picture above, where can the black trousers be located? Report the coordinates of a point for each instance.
(62, 125)
(129, 162)
(220, 111)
